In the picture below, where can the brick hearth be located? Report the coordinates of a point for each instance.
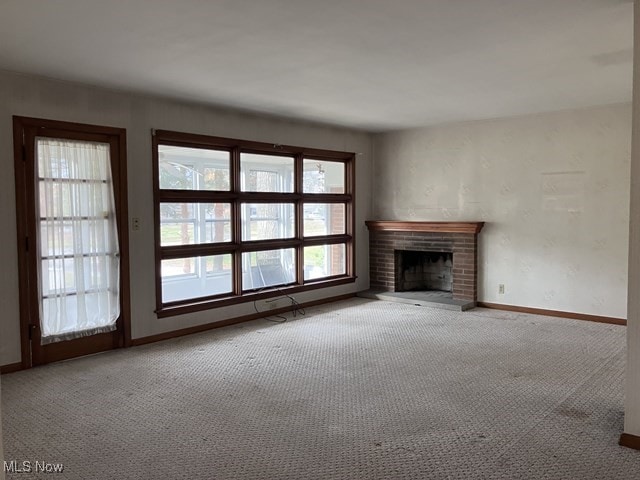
(459, 238)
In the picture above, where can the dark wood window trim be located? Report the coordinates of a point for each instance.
(235, 197)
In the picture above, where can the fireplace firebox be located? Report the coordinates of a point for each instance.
(417, 271)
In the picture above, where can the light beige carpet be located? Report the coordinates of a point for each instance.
(359, 389)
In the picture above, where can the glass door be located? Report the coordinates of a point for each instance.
(75, 293)
(79, 274)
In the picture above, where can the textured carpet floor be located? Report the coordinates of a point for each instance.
(358, 389)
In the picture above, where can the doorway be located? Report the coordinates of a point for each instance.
(71, 196)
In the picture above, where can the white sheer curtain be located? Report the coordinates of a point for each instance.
(79, 253)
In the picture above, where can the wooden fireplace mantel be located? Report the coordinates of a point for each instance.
(442, 227)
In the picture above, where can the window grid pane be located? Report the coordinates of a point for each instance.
(268, 268)
(194, 223)
(324, 219)
(184, 168)
(266, 173)
(194, 277)
(324, 261)
(321, 176)
(267, 221)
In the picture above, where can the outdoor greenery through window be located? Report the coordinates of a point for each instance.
(238, 220)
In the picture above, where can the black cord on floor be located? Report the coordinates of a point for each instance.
(296, 308)
(283, 319)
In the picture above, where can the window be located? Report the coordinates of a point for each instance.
(238, 220)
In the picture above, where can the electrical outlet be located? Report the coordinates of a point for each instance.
(501, 289)
(135, 223)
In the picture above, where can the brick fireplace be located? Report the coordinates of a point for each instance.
(454, 245)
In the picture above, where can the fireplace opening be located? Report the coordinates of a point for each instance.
(423, 271)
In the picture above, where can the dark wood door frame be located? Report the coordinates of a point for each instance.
(24, 131)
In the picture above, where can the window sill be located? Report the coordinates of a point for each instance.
(174, 310)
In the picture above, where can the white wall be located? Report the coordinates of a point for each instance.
(44, 98)
(553, 189)
(632, 397)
